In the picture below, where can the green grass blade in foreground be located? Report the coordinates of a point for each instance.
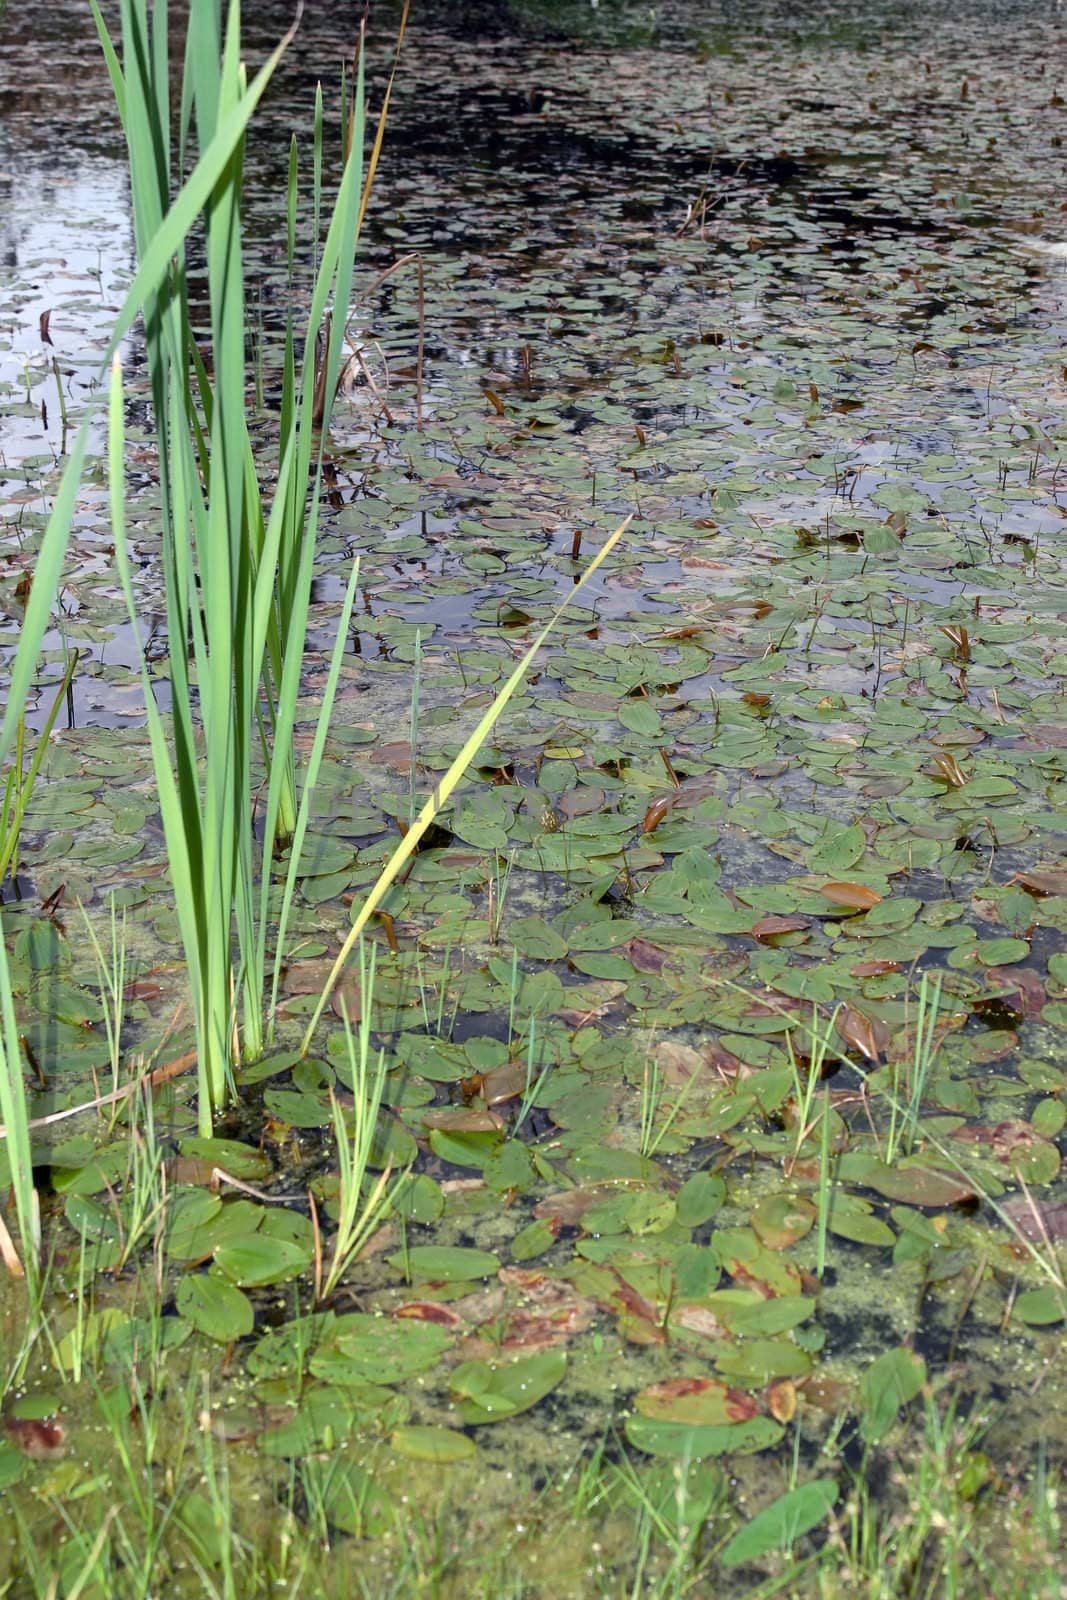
(13, 1104)
(14, 1109)
(445, 787)
(190, 201)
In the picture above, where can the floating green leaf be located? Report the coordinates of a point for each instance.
(779, 1525)
(443, 1263)
(491, 1392)
(891, 1381)
(215, 1307)
(439, 1445)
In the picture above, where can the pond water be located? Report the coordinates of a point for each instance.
(725, 1017)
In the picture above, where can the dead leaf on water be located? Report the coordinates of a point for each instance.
(1042, 881)
(866, 1034)
(856, 895)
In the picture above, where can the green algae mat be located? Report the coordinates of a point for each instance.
(724, 1013)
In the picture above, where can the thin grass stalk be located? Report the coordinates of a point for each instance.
(112, 978)
(358, 1215)
(929, 1004)
(287, 617)
(413, 724)
(825, 1198)
(532, 1086)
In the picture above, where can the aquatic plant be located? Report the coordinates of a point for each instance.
(231, 568)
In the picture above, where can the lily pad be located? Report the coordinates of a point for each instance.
(693, 1442)
(491, 1392)
(442, 1263)
(439, 1445)
(778, 1526)
(361, 1348)
(215, 1307)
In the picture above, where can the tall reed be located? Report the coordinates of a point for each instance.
(237, 572)
(238, 577)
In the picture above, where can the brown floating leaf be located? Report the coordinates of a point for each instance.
(581, 802)
(826, 1394)
(866, 1034)
(429, 1311)
(396, 755)
(569, 1206)
(948, 769)
(856, 895)
(347, 999)
(678, 1062)
(768, 929)
(43, 324)
(190, 1170)
(503, 1083)
(645, 1312)
(786, 1276)
(645, 956)
(308, 977)
(463, 1119)
(142, 989)
(1019, 988)
(1043, 733)
(1038, 1220)
(780, 1220)
(696, 1400)
(874, 969)
(552, 1310)
(1008, 1140)
(657, 811)
(961, 642)
(1042, 881)
(39, 1439)
(697, 1319)
(782, 1399)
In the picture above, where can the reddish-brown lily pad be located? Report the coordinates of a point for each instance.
(855, 895)
(1043, 881)
(781, 1219)
(696, 1400)
(773, 930)
(864, 1033)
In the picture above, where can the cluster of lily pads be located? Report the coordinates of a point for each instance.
(722, 1013)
